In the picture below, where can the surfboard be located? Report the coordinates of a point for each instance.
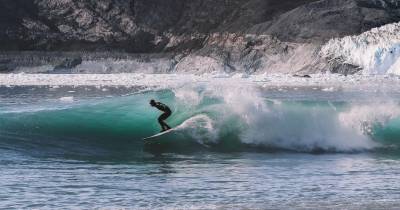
(158, 135)
(177, 129)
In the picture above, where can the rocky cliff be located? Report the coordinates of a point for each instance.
(202, 35)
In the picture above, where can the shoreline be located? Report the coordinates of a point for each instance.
(324, 81)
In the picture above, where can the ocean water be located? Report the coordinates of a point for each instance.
(236, 146)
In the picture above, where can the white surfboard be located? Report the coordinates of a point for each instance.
(158, 134)
(187, 123)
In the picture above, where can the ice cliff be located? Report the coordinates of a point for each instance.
(376, 51)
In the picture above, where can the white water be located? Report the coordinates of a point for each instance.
(296, 126)
(363, 117)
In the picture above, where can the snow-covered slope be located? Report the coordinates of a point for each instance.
(376, 51)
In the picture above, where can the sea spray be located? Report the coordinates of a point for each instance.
(364, 118)
(200, 128)
(296, 125)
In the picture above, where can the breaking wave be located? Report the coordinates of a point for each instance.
(207, 117)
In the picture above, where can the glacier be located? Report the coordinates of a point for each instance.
(376, 51)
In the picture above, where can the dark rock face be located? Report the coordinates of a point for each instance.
(68, 63)
(6, 65)
(149, 25)
(344, 69)
(322, 20)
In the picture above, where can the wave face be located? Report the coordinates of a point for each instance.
(209, 117)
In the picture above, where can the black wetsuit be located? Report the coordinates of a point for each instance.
(167, 112)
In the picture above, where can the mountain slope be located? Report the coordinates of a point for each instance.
(234, 35)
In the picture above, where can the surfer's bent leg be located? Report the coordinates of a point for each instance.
(161, 119)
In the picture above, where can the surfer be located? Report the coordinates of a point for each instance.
(167, 112)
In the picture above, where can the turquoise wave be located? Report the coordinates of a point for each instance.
(206, 122)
